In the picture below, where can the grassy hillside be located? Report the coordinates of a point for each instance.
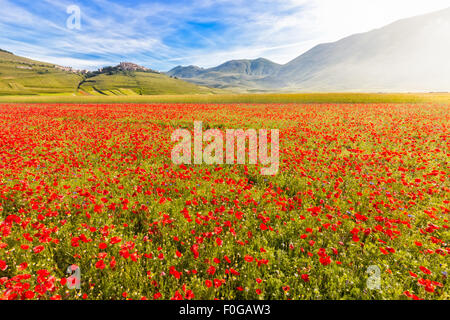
(24, 77)
(21, 76)
(139, 83)
(437, 98)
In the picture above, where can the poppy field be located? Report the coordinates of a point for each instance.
(359, 208)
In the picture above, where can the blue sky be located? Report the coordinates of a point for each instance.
(163, 34)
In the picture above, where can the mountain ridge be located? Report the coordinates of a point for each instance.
(406, 55)
(231, 74)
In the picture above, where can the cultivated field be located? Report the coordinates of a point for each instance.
(261, 98)
(21, 76)
(362, 194)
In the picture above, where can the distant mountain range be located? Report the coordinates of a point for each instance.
(407, 55)
(231, 74)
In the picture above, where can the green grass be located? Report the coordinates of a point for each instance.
(21, 76)
(438, 98)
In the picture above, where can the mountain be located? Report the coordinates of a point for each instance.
(407, 55)
(22, 76)
(258, 67)
(186, 72)
(231, 74)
